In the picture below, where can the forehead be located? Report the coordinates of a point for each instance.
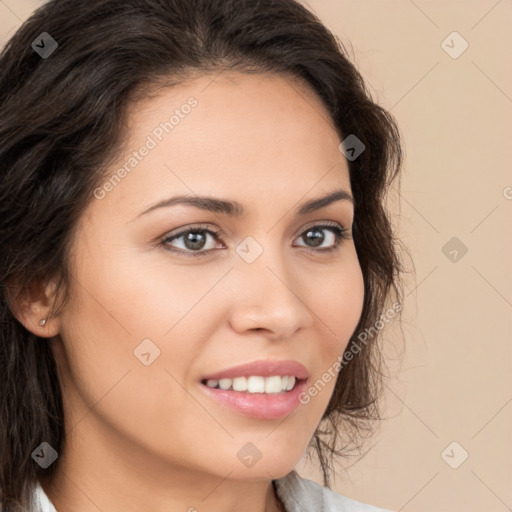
(233, 110)
(232, 134)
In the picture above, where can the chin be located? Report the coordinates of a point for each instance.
(268, 469)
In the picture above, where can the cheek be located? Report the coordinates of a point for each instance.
(143, 294)
(105, 323)
(120, 302)
(340, 304)
(338, 312)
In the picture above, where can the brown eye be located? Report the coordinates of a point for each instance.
(315, 236)
(193, 242)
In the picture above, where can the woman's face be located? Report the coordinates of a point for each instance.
(153, 311)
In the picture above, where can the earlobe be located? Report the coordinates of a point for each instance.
(32, 309)
(46, 329)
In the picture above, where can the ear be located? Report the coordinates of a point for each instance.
(33, 309)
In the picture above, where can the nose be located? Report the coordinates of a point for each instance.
(269, 296)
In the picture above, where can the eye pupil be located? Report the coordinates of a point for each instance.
(316, 236)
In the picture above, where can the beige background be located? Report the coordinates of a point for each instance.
(454, 382)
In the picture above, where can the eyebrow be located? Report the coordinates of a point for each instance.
(236, 209)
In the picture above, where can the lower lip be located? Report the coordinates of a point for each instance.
(266, 406)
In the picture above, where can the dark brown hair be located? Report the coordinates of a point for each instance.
(61, 122)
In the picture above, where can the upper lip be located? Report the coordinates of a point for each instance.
(262, 368)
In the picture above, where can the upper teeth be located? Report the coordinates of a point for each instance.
(255, 384)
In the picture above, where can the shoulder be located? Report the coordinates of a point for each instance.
(302, 495)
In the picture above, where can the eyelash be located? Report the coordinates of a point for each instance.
(339, 231)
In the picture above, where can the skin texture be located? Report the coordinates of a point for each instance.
(147, 437)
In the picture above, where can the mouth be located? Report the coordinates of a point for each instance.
(264, 389)
(256, 397)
